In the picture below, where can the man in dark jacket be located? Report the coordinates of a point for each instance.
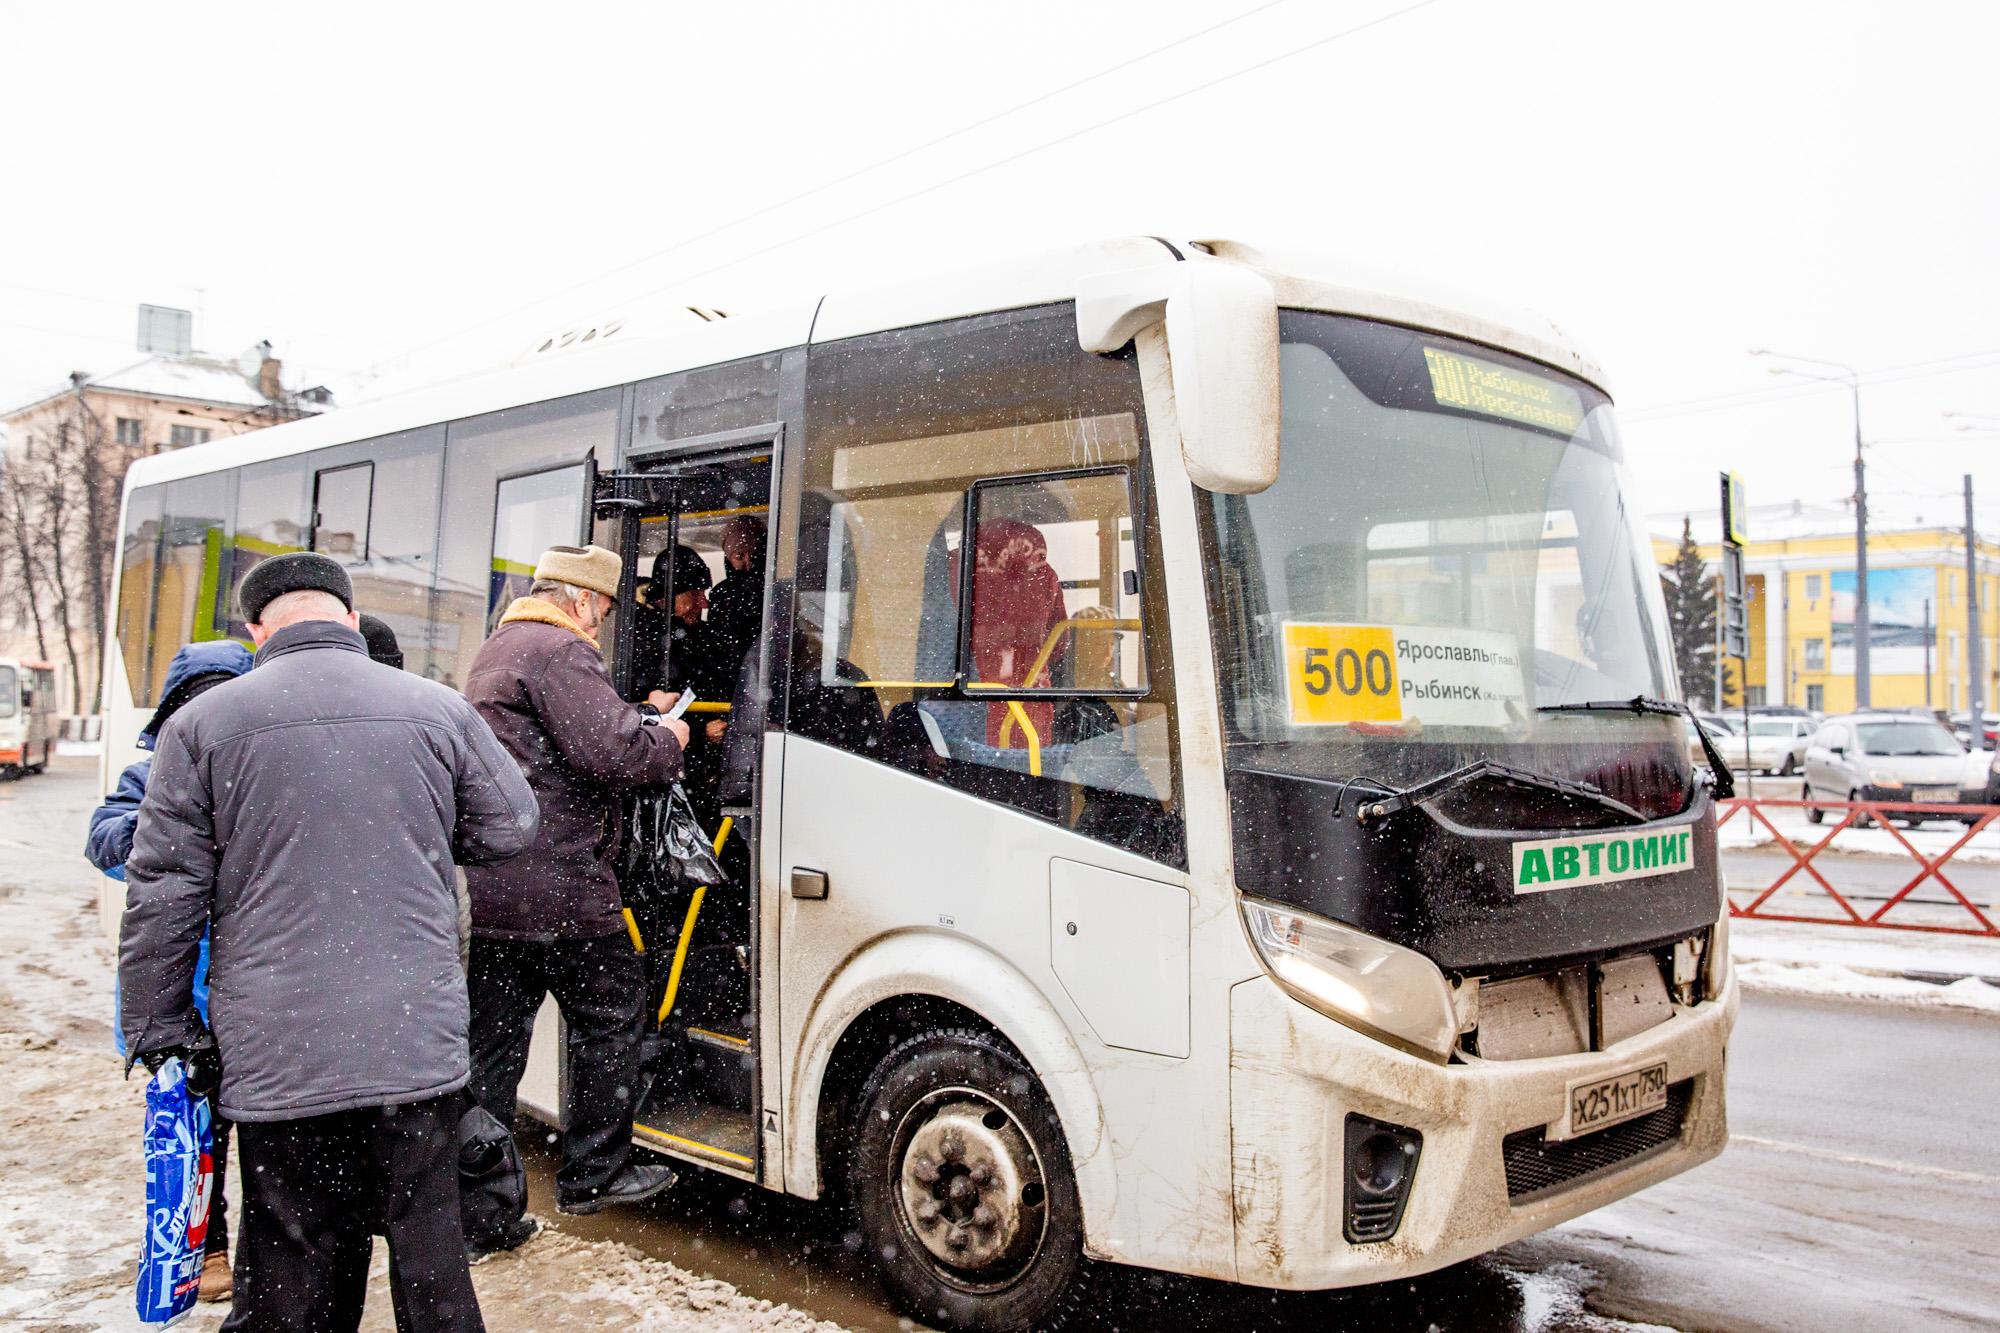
(551, 921)
(665, 618)
(196, 669)
(311, 811)
(736, 605)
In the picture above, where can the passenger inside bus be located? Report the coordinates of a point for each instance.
(1071, 757)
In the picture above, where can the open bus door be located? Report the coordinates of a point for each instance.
(700, 944)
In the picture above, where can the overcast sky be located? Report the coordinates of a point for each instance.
(388, 192)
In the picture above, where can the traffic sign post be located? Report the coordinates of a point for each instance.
(1736, 595)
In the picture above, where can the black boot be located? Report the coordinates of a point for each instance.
(634, 1183)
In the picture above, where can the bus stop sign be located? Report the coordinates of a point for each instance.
(1735, 590)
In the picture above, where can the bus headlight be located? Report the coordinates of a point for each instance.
(1382, 989)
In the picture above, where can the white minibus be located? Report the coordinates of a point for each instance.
(1206, 790)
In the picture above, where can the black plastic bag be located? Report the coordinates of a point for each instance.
(492, 1186)
(666, 846)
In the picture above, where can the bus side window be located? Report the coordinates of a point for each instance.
(190, 571)
(478, 564)
(906, 433)
(143, 513)
(530, 514)
(273, 517)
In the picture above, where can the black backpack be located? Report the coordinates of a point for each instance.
(492, 1186)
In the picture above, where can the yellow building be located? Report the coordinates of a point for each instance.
(1800, 572)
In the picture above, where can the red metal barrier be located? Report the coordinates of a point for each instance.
(1857, 814)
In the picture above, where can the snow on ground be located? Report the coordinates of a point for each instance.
(1856, 962)
(70, 1212)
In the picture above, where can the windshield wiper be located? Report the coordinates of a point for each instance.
(1486, 770)
(1725, 780)
(1638, 703)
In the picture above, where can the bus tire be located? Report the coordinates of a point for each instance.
(963, 1188)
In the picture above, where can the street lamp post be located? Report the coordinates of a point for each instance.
(1847, 375)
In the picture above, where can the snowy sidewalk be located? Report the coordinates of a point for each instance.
(1859, 963)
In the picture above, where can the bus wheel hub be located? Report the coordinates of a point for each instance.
(972, 1186)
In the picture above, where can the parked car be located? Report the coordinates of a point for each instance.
(1785, 710)
(1722, 724)
(1961, 727)
(1884, 757)
(1776, 744)
(1979, 780)
(1716, 736)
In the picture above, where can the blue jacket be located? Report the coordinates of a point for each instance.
(113, 823)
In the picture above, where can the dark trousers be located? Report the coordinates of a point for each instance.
(599, 985)
(218, 1206)
(315, 1190)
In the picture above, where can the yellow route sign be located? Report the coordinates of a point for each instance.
(1493, 390)
(1336, 674)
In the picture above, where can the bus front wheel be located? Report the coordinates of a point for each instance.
(963, 1186)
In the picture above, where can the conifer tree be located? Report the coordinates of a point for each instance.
(1690, 594)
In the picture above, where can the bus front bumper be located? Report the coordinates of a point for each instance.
(1295, 1076)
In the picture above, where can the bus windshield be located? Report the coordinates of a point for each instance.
(1447, 553)
(9, 689)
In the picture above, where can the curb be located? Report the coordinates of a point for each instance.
(1934, 978)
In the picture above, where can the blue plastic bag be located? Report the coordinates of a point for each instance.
(180, 1181)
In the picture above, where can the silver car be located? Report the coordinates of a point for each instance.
(1883, 757)
(1777, 744)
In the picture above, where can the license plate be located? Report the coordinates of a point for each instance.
(1934, 793)
(1607, 1101)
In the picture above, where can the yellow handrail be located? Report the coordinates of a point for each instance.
(681, 953)
(1016, 713)
(632, 929)
(1049, 647)
(687, 928)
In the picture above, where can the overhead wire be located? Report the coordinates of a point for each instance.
(1005, 160)
(1012, 158)
(1909, 370)
(878, 164)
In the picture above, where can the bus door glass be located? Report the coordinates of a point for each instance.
(693, 534)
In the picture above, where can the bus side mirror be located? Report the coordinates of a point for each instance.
(1222, 340)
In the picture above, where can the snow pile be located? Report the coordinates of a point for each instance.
(1552, 1301)
(1857, 963)
(607, 1285)
(1831, 980)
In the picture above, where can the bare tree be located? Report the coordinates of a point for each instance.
(61, 532)
(99, 475)
(21, 566)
